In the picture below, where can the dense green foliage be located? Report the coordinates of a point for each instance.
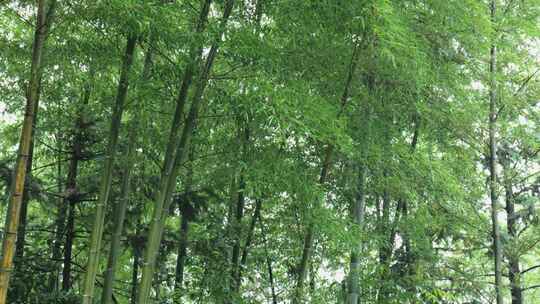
(267, 152)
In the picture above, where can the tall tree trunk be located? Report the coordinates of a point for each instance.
(514, 271)
(181, 258)
(122, 204)
(119, 217)
(357, 216)
(188, 213)
(176, 153)
(71, 192)
(136, 244)
(59, 225)
(249, 237)
(68, 247)
(325, 167)
(271, 279)
(268, 262)
(495, 233)
(21, 231)
(167, 174)
(385, 249)
(410, 259)
(238, 265)
(137, 256)
(237, 231)
(106, 179)
(239, 215)
(43, 21)
(352, 285)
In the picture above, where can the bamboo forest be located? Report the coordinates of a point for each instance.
(270, 151)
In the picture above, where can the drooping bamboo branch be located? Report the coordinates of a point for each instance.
(325, 167)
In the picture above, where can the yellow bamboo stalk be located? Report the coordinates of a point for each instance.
(44, 15)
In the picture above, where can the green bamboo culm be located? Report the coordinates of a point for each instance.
(125, 190)
(174, 159)
(119, 218)
(167, 171)
(45, 13)
(96, 235)
(495, 230)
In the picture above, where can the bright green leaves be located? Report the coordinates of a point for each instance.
(308, 116)
(130, 17)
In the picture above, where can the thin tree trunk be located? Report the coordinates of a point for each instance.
(268, 263)
(176, 154)
(497, 251)
(188, 213)
(72, 194)
(410, 259)
(60, 223)
(357, 216)
(44, 19)
(237, 276)
(167, 173)
(238, 216)
(119, 217)
(239, 265)
(237, 231)
(181, 259)
(249, 237)
(122, 204)
(68, 247)
(385, 249)
(21, 232)
(514, 271)
(312, 276)
(310, 231)
(271, 279)
(106, 179)
(136, 264)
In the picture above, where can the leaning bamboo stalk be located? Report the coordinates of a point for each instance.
(150, 254)
(106, 179)
(122, 204)
(43, 21)
(168, 179)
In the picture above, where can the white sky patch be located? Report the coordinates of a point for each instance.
(5, 117)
